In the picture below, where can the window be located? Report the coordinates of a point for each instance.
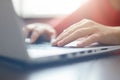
(45, 8)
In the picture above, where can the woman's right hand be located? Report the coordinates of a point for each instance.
(39, 29)
(91, 31)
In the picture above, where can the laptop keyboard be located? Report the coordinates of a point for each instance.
(42, 45)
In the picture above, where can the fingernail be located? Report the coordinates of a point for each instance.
(53, 42)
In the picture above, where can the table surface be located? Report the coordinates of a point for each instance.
(107, 68)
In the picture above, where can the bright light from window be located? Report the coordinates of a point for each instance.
(46, 8)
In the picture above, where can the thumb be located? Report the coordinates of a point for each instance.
(53, 36)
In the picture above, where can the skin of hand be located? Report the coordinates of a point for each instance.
(115, 4)
(92, 31)
(39, 29)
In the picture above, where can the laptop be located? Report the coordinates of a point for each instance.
(13, 46)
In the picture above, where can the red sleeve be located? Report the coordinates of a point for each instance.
(61, 23)
(97, 10)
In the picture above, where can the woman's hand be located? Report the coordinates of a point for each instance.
(92, 31)
(39, 29)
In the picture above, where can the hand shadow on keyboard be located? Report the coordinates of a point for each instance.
(41, 39)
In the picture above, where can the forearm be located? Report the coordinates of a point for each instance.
(115, 4)
(66, 21)
(90, 10)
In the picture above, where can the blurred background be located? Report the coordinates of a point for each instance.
(45, 8)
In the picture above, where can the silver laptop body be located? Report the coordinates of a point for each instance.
(13, 46)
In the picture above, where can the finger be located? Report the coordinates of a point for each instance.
(89, 40)
(35, 34)
(53, 36)
(83, 24)
(51, 32)
(68, 31)
(27, 30)
(75, 35)
(49, 35)
(63, 34)
(81, 39)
